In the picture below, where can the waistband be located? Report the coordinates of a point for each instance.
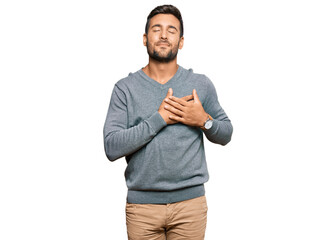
(165, 197)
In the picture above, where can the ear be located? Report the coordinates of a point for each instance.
(181, 43)
(145, 39)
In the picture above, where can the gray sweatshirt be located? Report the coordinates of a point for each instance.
(165, 163)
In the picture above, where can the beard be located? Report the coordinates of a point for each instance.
(170, 56)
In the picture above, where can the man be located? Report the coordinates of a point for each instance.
(156, 119)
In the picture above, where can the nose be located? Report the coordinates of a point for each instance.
(163, 35)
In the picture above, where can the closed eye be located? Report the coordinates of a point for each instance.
(172, 29)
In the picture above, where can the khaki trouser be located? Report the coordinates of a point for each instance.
(184, 220)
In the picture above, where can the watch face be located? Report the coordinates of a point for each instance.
(208, 124)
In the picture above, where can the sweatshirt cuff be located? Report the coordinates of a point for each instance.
(156, 122)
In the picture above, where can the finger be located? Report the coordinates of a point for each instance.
(196, 99)
(179, 100)
(170, 92)
(176, 118)
(173, 110)
(188, 98)
(175, 104)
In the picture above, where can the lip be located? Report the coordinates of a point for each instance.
(163, 44)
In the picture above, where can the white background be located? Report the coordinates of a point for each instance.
(273, 65)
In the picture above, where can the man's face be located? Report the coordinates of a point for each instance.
(163, 38)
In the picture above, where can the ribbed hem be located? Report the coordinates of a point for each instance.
(156, 122)
(158, 197)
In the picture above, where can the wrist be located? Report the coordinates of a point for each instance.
(207, 124)
(163, 116)
(203, 119)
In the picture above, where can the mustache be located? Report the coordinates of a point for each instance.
(163, 42)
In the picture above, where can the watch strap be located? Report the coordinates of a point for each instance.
(209, 118)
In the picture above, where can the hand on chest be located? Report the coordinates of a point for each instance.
(142, 105)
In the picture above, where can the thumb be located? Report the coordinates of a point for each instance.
(170, 92)
(196, 99)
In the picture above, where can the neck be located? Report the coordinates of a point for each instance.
(161, 72)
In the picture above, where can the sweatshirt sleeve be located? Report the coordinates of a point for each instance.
(121, 140)
(221, 130)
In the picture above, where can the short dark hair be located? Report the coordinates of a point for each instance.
(165, 9)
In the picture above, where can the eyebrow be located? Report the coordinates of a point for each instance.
(159, 25)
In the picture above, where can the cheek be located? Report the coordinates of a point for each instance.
(153, 38)
(149, 42)
(177, 44)
(176, 41)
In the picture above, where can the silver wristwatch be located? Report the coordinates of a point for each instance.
(208, 123)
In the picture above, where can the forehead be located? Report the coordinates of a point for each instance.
(165, 20)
